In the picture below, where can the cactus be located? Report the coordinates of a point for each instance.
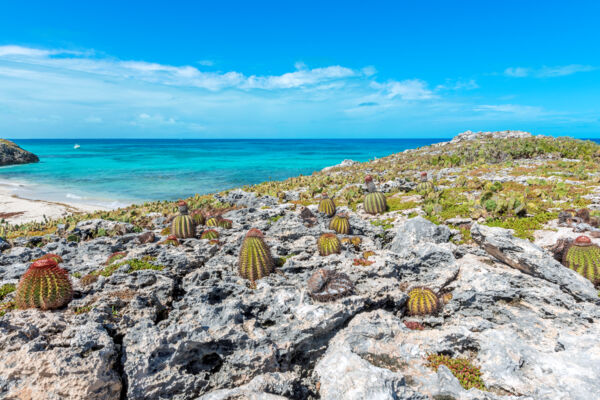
(422, 301)
(583, 257)
(115, 257)
(340, 224)
(51, 256)
(183, 226)
(328, 285)
(44, 285)
(213, 221)
(425, 187)
(171, 240)
(255, 257)
(375, 203)
(198, 217)
(327, 206)
(210, 234)
(329, 243)
(225, 223)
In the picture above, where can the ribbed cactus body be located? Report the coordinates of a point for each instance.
(422, 301)
(213, 221)
(375, 203)
(183, 227)
(225, 223)
(425, 187)
(583, 257)
(255, 257)
(209, 234)
(327, 206)
(329, 243)
(44, 285)
(340, 224)
(198, 217)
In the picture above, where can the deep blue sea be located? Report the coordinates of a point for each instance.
(111, 172)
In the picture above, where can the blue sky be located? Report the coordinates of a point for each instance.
(297, 69)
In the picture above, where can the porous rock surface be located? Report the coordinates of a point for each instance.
(197, 330)
(11, 154)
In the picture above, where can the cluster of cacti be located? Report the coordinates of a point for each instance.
(340, 224)
(255, 260)
(583, 257)
(183, 226)
(328, 243)
(422, 301)
(326, 285)
(327, 206)
(44, 285)
(503, 204)
(209, 234)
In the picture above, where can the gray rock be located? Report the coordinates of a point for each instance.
(11, 154)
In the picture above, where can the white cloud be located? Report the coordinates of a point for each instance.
(410, 89)
(547, 72)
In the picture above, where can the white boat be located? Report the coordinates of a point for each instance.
(76, 146)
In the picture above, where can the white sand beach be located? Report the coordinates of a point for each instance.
(18, 209)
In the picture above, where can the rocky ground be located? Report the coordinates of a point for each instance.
(178, 322)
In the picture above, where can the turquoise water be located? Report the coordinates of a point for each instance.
(117, 172)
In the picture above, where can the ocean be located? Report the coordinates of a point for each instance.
(112, 173)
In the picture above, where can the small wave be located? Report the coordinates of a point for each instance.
(73, 196)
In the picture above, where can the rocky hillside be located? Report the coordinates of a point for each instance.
(499, 317)
(11, 154)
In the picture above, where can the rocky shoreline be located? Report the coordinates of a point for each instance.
(12, 154)
(153, 319)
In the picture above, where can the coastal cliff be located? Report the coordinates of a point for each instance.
(11, 154)
(478, 224)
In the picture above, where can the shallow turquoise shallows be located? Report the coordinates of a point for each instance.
(118, 172)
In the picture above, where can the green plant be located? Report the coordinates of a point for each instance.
(583, 257)
(6, 289)
(422, 301)
(375, 203)
(328, 243)
(255, 260)
(340, 224)
(115, 257)
(213, 221)
(225, 223)
(209, 234)
(88, 279)
(134, 264)
(467, 374)
(327, 206)
(44, 285)
(73, 238)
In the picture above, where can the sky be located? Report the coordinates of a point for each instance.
(347, 69)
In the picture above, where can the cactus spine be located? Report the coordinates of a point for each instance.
(44, 285)
(183, 226)
(583, 257)
(327, 206)
(329, 243)
(422, 301)
(340, 224)
(255, 257)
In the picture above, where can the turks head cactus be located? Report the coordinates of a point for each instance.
(327, 206)
(255, 257)
(210, 234)
(44, 285)
(198, 217)
(425, 187)
(340, 224)
(329, 243)
(583, 257)
(422, 301)
(213, 221)
(225, 223)
(375, 202)
(183, 226)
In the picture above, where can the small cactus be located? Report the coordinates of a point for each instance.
(198, 217)
(51, 256)
(425, 187)
(255, 257)
(422, 301)
(375, 203)
(171, 240)
(329, 243)
(115, 257)
(327, 206)
(88, 279)
(225, 223)
(213, 221)
(328, 285)
(340, 224)
(210, 234)
(44, 285)
(583, 257)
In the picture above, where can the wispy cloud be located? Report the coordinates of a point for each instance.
(521, 110)
(547, 72)
(410, 89)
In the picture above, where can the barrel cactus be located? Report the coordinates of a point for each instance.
(210, 234)
(329, 243)
(422, 301)
(183, 225)
(327, 206)
(375, 203)
(340, 224)
(213, 221)
(583, 257)
(44, 285)
(255, 257)
(425, 187)
(52, 256)
(198, 217)
(225, 223)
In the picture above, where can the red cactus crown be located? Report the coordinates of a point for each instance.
(44, 263)
(368, 178)
(583, 241)
(255, 233)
